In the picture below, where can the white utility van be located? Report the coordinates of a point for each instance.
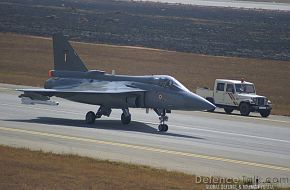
(236, 95)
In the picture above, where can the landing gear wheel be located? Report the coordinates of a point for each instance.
(228, 110)
(90, 117)
(125, 119)
(163, 128)
(162, 118)
(245, 109)
(265, 113)
(160, 127)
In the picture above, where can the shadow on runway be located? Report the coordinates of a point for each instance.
(104, 124)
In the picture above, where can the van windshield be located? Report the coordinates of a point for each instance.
(245, 88)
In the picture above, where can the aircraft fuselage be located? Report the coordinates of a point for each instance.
(160, 91)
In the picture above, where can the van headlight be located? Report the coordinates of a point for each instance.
(269, 102)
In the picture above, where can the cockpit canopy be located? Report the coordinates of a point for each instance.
(169, 82)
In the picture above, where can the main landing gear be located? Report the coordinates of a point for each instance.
(162, 118)
(126, 116)
(91, 116)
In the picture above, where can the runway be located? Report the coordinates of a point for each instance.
(210, 144)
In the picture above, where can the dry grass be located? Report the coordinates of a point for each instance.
(25, 169)
(26, 60)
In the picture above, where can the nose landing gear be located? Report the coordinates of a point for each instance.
(162, 118)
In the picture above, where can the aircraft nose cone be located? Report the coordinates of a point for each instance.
(195, 102)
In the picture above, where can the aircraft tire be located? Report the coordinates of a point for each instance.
(125, 120)
(90, 117)
(160, 127)
(163, 128)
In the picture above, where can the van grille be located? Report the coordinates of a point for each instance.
(261, 101)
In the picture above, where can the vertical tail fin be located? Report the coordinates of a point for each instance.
(65, 57)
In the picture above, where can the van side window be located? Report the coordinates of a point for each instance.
(230, 88)
(220, 87)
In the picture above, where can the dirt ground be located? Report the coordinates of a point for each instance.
(27, 59)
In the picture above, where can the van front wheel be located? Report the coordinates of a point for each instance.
(265, 113)
(245, 109)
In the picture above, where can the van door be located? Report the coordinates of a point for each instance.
(219, 93)
(230, 98)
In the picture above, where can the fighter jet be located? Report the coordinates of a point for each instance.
(71, 80)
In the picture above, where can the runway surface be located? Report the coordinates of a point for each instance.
(211, 144)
